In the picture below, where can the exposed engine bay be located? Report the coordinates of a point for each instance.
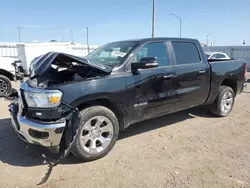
(59, 68)
(60, 74)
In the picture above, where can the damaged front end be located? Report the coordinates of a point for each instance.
(41, 131)
(47, 134)
(38, 112)
(58, 68)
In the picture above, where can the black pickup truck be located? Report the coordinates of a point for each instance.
(86, 102)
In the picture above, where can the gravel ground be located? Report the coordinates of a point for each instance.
(186, 149)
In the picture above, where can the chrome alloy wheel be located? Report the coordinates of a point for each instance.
(226, 102)
(3, 87)
(96, 134)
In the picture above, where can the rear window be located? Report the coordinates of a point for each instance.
(186, 53)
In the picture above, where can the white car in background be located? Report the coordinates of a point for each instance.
(10, 70)
(217, 55)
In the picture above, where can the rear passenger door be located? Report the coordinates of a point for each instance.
(192, 74)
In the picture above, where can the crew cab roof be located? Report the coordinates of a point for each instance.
(142, 40)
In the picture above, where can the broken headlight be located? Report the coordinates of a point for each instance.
(48, 99)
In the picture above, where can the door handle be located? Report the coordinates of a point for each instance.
(169, 76)
(202, 71)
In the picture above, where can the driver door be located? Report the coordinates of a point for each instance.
(152, 88)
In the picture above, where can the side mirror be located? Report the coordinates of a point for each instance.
(145, 63)
(15, 63)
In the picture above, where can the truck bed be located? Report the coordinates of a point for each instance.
(226, 69)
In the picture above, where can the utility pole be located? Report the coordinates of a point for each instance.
(180, 26)
(87, 29)
(153, 20)
(72, 38)
(22, 27)
(180, 19)
(208, 36)
(19, 33)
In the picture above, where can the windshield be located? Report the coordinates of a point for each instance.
(111, 54)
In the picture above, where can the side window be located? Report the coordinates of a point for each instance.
(221, 56)
(218, 56)
(156, 49)
(214, 56)
(186, 53)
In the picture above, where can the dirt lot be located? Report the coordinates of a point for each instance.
(186, 149)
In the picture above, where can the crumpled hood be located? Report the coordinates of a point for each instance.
(41, 64)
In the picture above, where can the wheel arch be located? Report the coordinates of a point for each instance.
(7, 74)
(226, 81)
(106, 101)
(230, 82)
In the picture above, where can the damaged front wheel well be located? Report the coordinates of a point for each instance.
(106, 103)
(67, 135)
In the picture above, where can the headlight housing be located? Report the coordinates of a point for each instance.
(47, 99)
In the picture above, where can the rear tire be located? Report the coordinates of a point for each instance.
(224, 102)
(99, 130)
(5, 86)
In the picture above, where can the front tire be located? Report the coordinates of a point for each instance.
(99, 130)
(5, 86)
(224, 102)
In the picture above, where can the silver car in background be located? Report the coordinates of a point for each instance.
(217, 55)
